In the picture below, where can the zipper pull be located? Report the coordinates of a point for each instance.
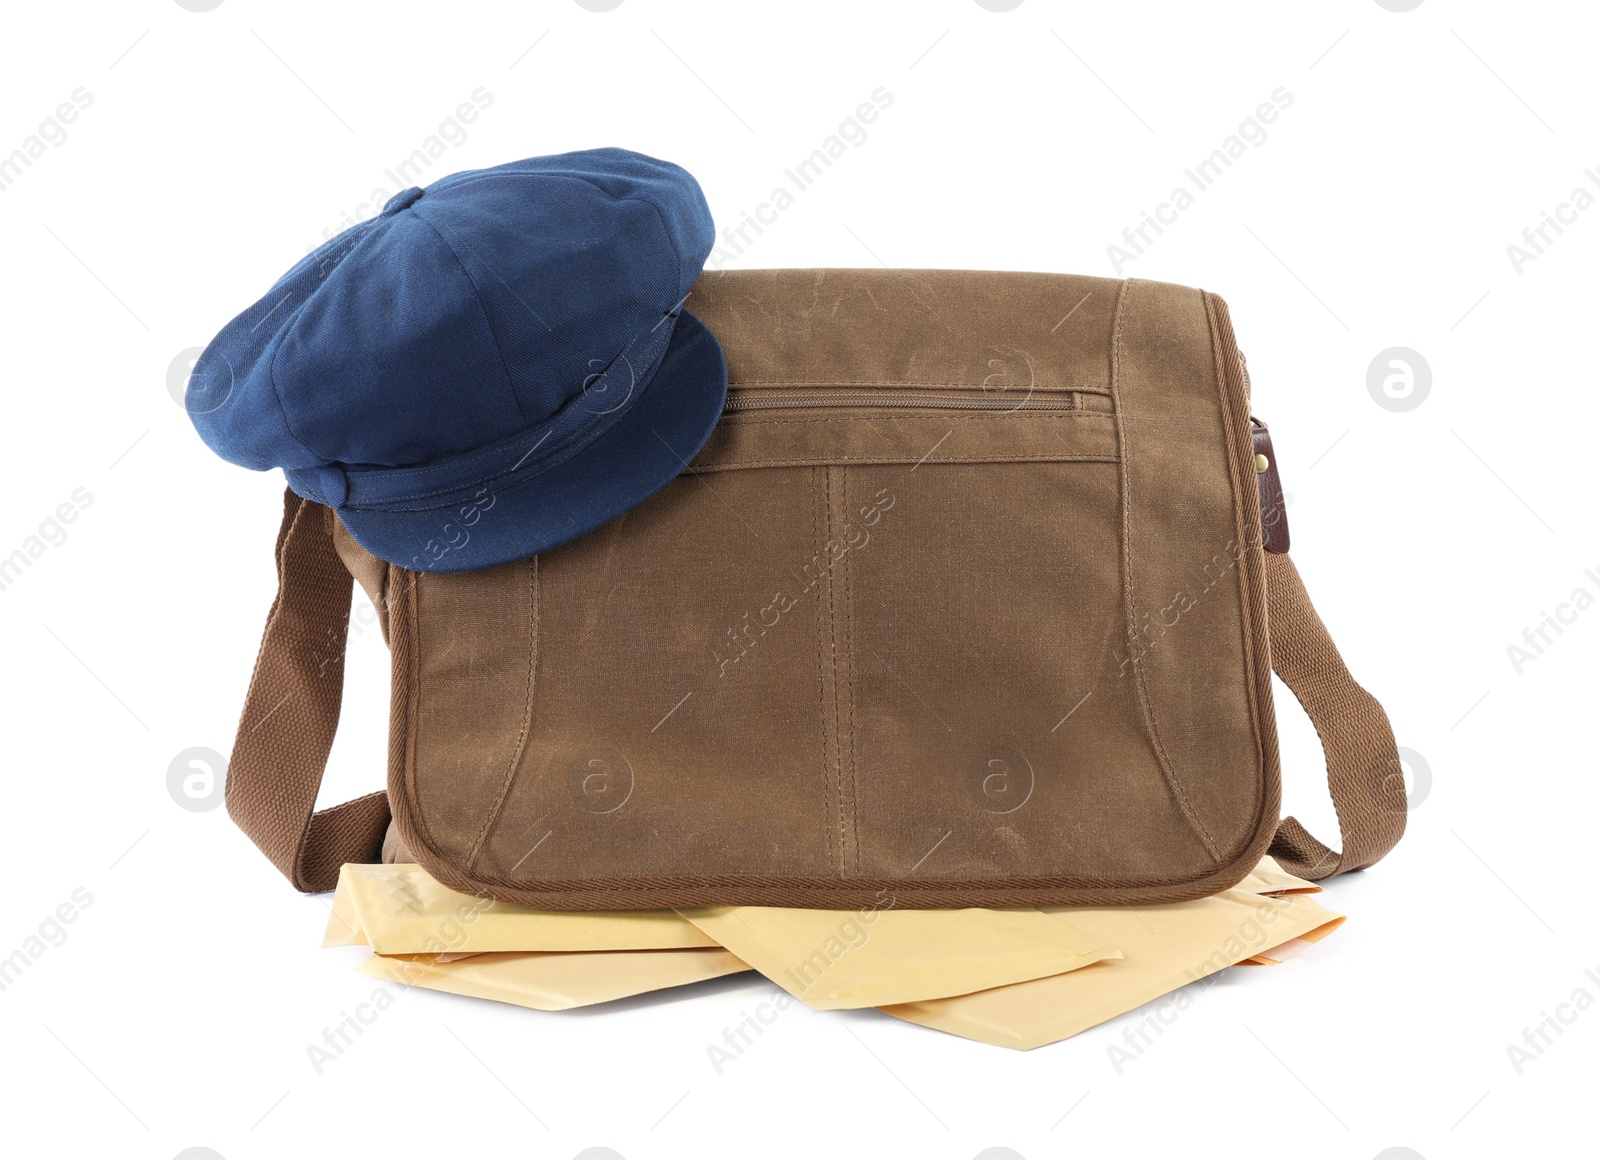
(1274, 515)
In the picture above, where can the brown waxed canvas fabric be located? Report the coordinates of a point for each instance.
(964, 603)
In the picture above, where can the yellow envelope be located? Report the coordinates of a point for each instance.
(555, 981)
(401, 909)
(1164, 948)
(831, 959)
(1270, 878)
(1293, 948)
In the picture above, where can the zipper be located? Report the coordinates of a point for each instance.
(804, 398)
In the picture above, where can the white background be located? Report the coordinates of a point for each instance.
(219, 147)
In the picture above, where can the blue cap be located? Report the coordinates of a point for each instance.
(491, 367)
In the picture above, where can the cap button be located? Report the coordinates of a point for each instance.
(401, 200)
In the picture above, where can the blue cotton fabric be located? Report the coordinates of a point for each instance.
(507, 340)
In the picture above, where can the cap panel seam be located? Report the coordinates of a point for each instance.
(677, 257)
(477, 297)
(366, 229)
(677, 281)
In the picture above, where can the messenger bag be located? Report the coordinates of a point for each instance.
(973, 598)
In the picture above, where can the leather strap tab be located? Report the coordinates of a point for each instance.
(1274, 513)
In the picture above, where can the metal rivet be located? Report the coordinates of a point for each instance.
(1261, 464)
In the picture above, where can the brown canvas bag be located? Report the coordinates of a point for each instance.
(972, 599)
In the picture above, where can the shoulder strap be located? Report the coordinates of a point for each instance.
(1364, 773)
(292, 711)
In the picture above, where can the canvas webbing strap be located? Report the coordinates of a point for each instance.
(292, 711)
(1364, 772)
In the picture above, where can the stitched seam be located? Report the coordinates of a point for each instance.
(850, 685)
(477, 297)
(833, 664)
(1021, 890)
(407, 781)
(677, 257)
(492, 817)
(822, 687)
(1163, 758)
(1168, 773)
(661, 220)
(277, 395)
(1252, 583)
(272, 365)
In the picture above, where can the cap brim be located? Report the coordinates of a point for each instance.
(641, 453)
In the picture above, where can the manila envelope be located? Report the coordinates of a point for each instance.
(1270, 878)
(555, 981)
(831, 959)
(1164, 948)
(400, 909)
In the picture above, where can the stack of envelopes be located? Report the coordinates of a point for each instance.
(1015, 978)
